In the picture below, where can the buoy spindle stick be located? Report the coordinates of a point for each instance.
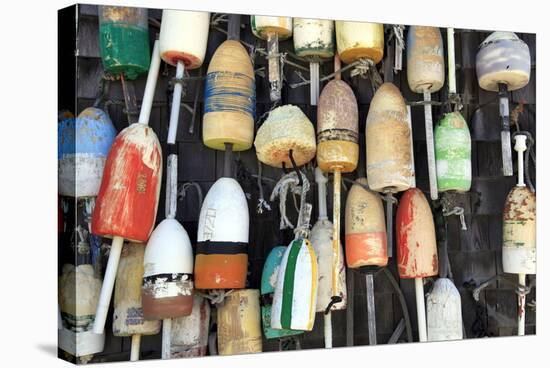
(176, 103)
(336, 231)
(134, 350)
(328, 330)
(166, 338)
(503, 108)
(273, 64)
(451, 60)
(371, 313)
(521, 306)
(314, 83)
(389, 223)
(420, 309)
(520, 148)
(149, 93)
(430, 144)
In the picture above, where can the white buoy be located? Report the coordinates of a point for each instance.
(444, 312)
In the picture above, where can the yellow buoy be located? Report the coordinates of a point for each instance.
(357, 40)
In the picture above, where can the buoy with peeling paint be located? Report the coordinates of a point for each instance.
(444, 312)
(519, 253)
(366, 243)
(190, 334)
(295, 296)
(358, 40)
(388, 141)
(426, 75)
(269, 279)
(286, 128)
(230, 98)
(167, 290)
(453, 153)
(239, 330)
(124, 40)
(313, 41)
(128, 312)
(416, 247)
(503, 63)
(273, 30)
(83, 147)
(127, 202)
(222, 238)
(79, 289)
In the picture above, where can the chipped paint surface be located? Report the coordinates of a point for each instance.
(263, 25)
(321, 240)
(189, 335)
(313, 38)
(239, 330)
(388, 141)
(78, 295)
(230, 98)
(80, 344)
(128, 313)
(425, 60)
(503, 58)
(416, 243)
(366, 243)
(183, 36)
(356, 40)
(519, 232)
(286, 128)
(444, 312)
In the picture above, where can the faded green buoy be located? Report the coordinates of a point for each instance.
(124, 40)
(453, 154)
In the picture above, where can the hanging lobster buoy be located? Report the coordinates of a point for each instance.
(167, 290)
(416, 247)
(453, 153)
(78, 296)
(365, 228)
(230, 98)
(519, 232)
(295, 294)
(124, 40)
(273, 30)
(357, 40)
(313, 41)
(444, 312)
(286, 128)
(222, 238)
(269, 279)
(503, 63)
(84, 143)
(190, 334)
(239, 330)
(128, 312)
(183, 36)
(388, 141)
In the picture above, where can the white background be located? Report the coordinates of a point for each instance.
(28, 181)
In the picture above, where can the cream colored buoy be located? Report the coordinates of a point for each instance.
(357, 40)
(444, 312)
(272, 29)
(388, 141)
(286, 128)
(239, 329)
(128, 313)
(230, 98)
(222, 237)
(190, 334)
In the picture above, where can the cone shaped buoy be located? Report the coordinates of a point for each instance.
(503, 58)
(444, 312)
(313, 38)
(416, 242)
(356, 40)
(295, 296)
(83, 146)
(286, 128)
(239, 330)
(453, 153)
(189, 335)
(128, 312)
(222, 238)
(183, 37)
(519, 252)
(167, 290)
(230, 98)
(127, 202)
(269, 280)
(124, 40)
(366, 243)
(425, 60)
(388, 141)
(337, 128)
